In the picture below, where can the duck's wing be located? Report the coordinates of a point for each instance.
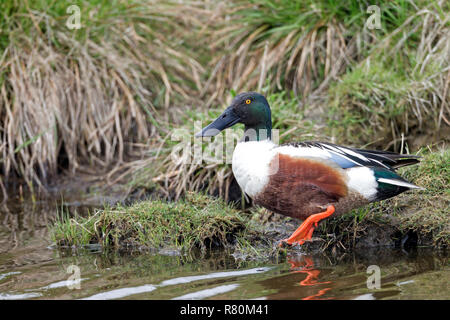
(347, 157)
(372, 173)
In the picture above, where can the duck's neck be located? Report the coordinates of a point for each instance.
(259, 132)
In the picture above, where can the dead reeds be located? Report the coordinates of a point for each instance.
(74, 99)
(403, 96)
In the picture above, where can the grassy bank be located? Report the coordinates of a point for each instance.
(198, 221)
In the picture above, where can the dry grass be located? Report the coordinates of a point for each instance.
(88, 98)
(290, 45)
(301, 46)
(403, 96)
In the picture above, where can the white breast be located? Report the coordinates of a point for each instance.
(251, 165)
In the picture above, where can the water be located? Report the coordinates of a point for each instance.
(31, 268)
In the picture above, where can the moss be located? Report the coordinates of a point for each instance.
(427, 212)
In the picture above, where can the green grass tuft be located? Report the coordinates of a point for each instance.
(197, 221)
(427, 212)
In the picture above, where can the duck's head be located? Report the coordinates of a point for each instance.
(249, 108)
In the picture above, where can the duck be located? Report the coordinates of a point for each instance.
(308, 180)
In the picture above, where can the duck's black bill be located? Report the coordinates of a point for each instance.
(227, 119)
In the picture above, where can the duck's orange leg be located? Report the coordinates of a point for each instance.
(306, 229)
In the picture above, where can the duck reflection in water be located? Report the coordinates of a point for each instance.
(305, 264)
(302, 281)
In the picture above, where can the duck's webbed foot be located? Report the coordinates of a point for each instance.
(306, 229)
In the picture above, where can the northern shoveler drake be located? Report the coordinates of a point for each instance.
(306, 180)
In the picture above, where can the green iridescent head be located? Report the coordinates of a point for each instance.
(249, 108)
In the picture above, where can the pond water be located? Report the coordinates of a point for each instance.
(31, 268)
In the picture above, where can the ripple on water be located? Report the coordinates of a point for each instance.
(124, 292)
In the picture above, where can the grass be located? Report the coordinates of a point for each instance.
(304, 45)
(197, 221)
(405, 93)
(427, 214)
(89, 97)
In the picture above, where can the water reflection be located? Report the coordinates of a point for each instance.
(134, 275)
(301, 281)
(30, 269)
(305, 265)
(326, 276)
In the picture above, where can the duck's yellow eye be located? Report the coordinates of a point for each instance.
(248, 101)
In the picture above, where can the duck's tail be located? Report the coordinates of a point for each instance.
(390, 183)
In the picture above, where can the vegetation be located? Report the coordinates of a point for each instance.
(91, 97)
(197, 221)
(427, 214)
(105, 100)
